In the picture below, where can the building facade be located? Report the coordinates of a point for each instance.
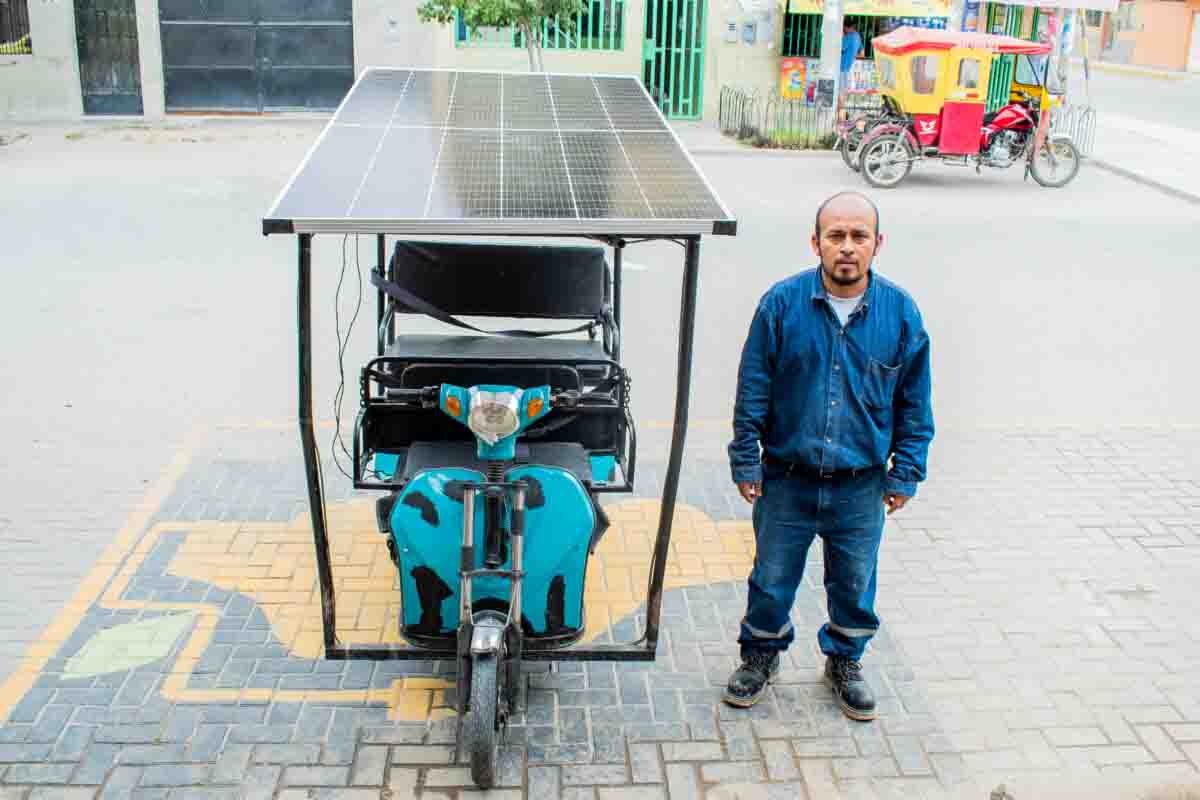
(70, 58)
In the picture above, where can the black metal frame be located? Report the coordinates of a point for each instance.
(642, 649)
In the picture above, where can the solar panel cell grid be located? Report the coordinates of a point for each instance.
(436, 150)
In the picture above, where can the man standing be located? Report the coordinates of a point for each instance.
(834, 381)
(852, 45)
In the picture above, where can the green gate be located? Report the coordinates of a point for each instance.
(1009, 21)
(673, 56)
(110, 77)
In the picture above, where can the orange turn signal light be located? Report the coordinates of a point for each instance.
(536, 404)
(454, 405)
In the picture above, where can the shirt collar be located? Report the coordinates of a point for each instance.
(820, 292)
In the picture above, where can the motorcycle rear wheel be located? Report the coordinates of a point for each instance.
(1056, 164)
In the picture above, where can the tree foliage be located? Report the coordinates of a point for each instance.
(525, 16)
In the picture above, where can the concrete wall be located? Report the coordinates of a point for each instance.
(44, 85)
(1164, 36)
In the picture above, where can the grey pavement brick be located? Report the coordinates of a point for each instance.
(1075, 737)
(1113, 754)
(260, 782)
(682, 782)
(64, 793)
(1159, 744)
(630, 793)
(261, 734)
(780, 760)
(10, 753)
(369, 766)
(910, 757)
(645, 762)
(825, 748)
(329, 794)
(176, 775)
(732, 772)
(149, 733)
(73, 744)
(194, 793)
(544, 783)
(578, 793)
(96, 763)
(231, 765)
(593, 774)
(692, 751)
(142, 755)
(286, 754)
(39, 773)
(422, 754)
(848, 768)
(1189, 732)
(316, 776)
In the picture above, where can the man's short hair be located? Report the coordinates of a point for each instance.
(863, 197)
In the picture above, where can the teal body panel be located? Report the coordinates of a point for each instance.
(426, 523)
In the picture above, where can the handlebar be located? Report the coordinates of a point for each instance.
(428, 396)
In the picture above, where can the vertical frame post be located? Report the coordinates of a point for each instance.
(687, 327)
(312, 457)
(380, 266)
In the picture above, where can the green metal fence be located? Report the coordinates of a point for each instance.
(601, 26)
(802, 34)
(673, 56)
(1000, 78)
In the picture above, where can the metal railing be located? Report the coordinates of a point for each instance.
(598, 27)
(1078, 122)
(764, 119)
(14, 28)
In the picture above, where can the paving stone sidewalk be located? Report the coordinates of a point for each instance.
(1037, 602)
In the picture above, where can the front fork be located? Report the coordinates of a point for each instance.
(489, 632)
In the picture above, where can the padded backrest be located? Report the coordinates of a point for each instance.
(499, 280)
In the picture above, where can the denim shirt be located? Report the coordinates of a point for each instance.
(828, 398)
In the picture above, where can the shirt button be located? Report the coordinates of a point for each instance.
(836, 367)
(828, 440)
(834, 403)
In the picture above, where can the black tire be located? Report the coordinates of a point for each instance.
(878, 161)
(1066, 167)
(481, 727)
(848, 152)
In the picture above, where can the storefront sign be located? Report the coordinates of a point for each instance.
(877, 8)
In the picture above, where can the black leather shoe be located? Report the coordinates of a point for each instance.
(747, 684)
(844, 677)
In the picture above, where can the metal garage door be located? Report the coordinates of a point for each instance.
(256, 55)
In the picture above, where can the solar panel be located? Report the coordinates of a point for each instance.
(444, 151)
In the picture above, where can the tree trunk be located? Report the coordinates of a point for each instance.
(533, 47)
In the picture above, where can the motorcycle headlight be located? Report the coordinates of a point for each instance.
(494, 415)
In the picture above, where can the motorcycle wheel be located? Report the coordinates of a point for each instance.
(886, 161)
(1056, 164)
(851, 141)
(483, 722)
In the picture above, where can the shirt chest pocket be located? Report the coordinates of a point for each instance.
(879, 384)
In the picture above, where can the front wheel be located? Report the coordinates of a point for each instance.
(852, 138)
(1056, 164)
(482, 726)
(886, 161)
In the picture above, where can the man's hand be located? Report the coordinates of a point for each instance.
(750, 490)
(895, 502)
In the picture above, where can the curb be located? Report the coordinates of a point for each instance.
(773, 152)
(1133, 70)
(1178, 194)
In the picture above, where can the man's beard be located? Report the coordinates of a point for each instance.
(832, 274)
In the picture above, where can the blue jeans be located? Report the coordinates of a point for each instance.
(848, 515)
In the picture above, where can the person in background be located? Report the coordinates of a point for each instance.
(852, 48)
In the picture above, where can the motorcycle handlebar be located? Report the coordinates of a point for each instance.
(429, 396)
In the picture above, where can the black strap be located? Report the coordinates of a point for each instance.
(410, 300)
